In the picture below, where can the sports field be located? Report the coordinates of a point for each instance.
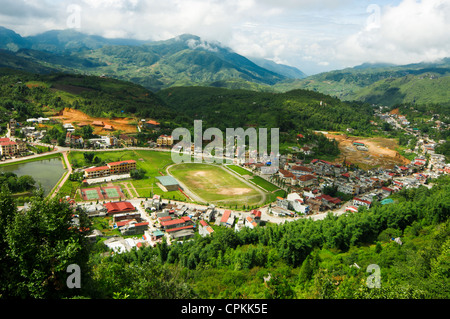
(215, 185)
(102, 193)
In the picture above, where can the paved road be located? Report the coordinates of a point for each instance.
(66, 176)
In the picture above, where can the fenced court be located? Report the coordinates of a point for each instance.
(102, 193)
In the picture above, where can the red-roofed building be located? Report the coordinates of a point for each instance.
(119, 207)
(112, 168)
(301, 170)
(164, 140)
(256, 214)
(249, 222)
(306, 180)
(8, 147)
(205, 229)
(226, 215)
(176, 223)
(361, 202)
(329, 201)
(151, 124)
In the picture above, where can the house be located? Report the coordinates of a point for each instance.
(227, 219)
(204, 229)
(298, 206)
(361, 202)
(176, 223)
(256, 215)
(151, 124)
(181, 233)
(249, 222)
(108, 127)
(8, 147)
(134, 228)
(387, 191)
(95, 210)
(283, 203)
(306, 180)
(98, 123)
(330, 201)
(119, 207)
(285, 174)
(73, 139)
(126, 216)
(164, 140)
(301, 170)
(127, 140)
(279, 211)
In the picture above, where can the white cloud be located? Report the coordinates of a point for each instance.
(413, 31)
(303, 33)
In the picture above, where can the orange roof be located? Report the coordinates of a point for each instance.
(152, 122)
(119, 207)
(121, 162)
(94, 169)
(226, 215)
(8, 143)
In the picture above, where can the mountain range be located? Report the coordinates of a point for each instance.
(188, 60)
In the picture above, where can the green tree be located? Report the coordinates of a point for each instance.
(43, 241)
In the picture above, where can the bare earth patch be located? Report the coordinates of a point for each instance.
(381, 151)
(234, 191)
(78, 117)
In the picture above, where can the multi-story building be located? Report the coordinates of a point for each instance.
(122, 167)
(164, 140)
(8, 147)
(113, 168)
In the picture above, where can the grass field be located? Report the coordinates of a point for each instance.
(268, 186)
(215, 185)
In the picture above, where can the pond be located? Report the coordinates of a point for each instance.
(47, 172)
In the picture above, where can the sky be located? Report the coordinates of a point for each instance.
(312, 35)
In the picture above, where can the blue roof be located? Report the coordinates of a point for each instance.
(387, 201)
(167, 180)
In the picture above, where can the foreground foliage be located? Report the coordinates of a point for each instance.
(301, 259)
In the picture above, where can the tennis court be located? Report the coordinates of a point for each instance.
(91, 194)
(102, 193)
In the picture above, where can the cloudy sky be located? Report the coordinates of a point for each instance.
(313, 35)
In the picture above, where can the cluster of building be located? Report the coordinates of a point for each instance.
(152, 220)
(307, 183)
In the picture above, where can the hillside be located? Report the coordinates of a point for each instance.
(381, 83)
(32, 95)
(184, 60)
(419, 89)
(291, 110)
